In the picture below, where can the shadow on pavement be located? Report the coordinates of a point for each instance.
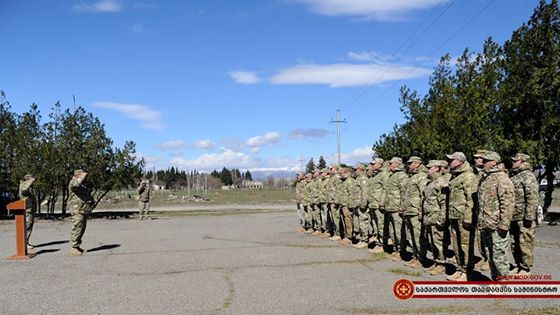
(104, 247)
(51, 243)
(45, 251)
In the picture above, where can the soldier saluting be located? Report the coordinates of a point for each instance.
(26, 193)
(81, 204)
(144, 199)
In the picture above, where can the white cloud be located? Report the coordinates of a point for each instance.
(380, 58)
(382, 10)
(172, 145)
(109, 6)
(245, 77)
(259, 141)
(138, 29)
(150, 119)
(361, 154)
(210, 161)
(205, 144)
(308, 133)
(150, 161)
(344, 75)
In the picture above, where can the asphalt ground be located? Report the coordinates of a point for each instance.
(227, 263)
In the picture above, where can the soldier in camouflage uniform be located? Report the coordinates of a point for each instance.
(307, 202)
(315, 190)
(333, 186)
(361, 213)
(522, 228)
(144, 199)
(433, 218)
(412, 208)
(299, 199)
(392, 205)
(26, 193)
(482, 264)
(378, 177)
(81, 204)
(348, 203)
(496, 197)
(323, 199)
(463, 187)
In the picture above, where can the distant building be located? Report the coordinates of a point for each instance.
(246, 184)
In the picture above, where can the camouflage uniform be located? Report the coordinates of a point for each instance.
(26, 193)
(463, 188)
(80, 204)
(435, 205)
(412, 206)
(392, 204)
(307, 200)
(376, 196)
(479, 172)
(332, 187)
(522, 228)
(144, 199)
(348, 190)
(299, 199)
(315, 196)
(323, 180)
(361, 214)
(496, 199)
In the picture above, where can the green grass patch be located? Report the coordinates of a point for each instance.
(405, 272)
(541, 311)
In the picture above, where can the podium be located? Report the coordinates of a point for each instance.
(18, 208)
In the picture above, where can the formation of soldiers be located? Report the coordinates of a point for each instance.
(410, 213)
(81, 204)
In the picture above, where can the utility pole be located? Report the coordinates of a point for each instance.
(338, 122)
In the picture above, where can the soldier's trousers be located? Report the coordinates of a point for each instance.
(79, 222)
(347, 220)
(324, 218)
(497, 248)
(392, 229)
(377, 219)
(144, 209)
(361, 224)
(29, 220)
(435, 242)
(334, 213)
(412, 232)
(480, 244)
(316, 216)
(460, 239)
(522, 243)
(307, 217)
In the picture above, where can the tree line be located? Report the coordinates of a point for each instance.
(51, 150)
(505, 98)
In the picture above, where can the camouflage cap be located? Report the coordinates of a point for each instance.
(521, 156)
(479, 153)
(79, 172)
(28, 176)
(414, 159)
(376, 160)
(396, 160)
(438, 163)
(457, 156)
(491, 156)
(325, 170)
(361, 166)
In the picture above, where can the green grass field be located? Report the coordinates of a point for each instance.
(129, 199)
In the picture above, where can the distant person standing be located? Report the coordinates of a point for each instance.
(144, 199)
(81, 204)
(26, 193)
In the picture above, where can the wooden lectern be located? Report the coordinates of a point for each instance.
(18, 208)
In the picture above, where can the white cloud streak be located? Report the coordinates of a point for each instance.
(104, 6)
(204, 144)
(172, 145)
(381, 10)
(308, 133)
(346, 75)
(266, 139)
(245, 77)
(150, 119)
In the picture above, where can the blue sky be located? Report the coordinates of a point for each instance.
(248, 84)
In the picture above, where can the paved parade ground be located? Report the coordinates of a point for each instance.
(224, 263)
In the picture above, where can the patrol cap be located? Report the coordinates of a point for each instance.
(414, 159)
(326, 170)
(79, 172)
(491, 156)
(28, 176)
(438, 163)
(479, 153)
(361, 166)
(521, 156)
(396, 160)
(377, 160)
(457, 156)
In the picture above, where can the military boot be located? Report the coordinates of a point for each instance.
(326, 235)
(317, 233)
(301, 229)
(482, 265)
(438, 270)
(461, 277)
(76, 251)
(335, 238)
(309, 231)
(361, 245)
(376, 250)
(345, 241)
(454, 276)
(395, 256)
